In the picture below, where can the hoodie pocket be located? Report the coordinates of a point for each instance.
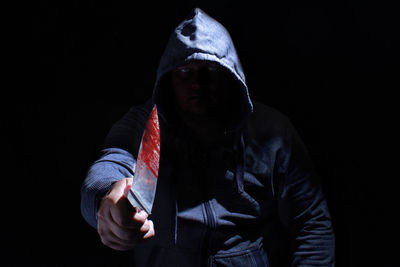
(253, 257)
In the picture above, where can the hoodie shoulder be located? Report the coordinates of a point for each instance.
(267, 122)
(126, 133)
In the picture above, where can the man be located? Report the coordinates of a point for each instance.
(231, 174)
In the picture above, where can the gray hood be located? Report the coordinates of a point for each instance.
(200, 37)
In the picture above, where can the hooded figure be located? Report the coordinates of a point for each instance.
(248, 196)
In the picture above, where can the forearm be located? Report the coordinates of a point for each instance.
(303, 207)
(313, 240)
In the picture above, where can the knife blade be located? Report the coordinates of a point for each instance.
(143, 189)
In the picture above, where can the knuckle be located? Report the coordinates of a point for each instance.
(146, 226)
(109, 200)
(129, 180)
(140, 216)
(149, 234)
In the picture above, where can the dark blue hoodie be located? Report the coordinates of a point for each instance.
(234, 205)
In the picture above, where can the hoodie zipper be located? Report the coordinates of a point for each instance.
(211, 224)
(210, 217)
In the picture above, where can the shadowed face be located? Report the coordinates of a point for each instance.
(199, 88)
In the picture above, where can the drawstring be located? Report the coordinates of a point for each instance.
(174, 211)
(172, 147)
(234, 157)
(176, 221)
(240, 158)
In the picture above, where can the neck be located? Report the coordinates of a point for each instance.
(207, 131)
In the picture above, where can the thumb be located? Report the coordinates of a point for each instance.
(128, 186)
(119, 188)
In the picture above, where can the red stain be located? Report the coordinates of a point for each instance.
(149, 152)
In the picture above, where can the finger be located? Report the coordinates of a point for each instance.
(111, 233)
(146, 226)
(123, 213)
(117, 191)
(140, 216)
(104, 215)
(123, 216)
(151, 232)
(125, 234)
(105, 220)
(123, 240)
(128, 186)
(110, 213)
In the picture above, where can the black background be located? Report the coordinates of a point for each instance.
(330, 66)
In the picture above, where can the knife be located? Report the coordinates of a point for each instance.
(143, 189)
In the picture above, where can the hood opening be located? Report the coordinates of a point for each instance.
(234, 108)
(200, 37)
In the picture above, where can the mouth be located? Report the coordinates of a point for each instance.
(201, 100)
(196, 98)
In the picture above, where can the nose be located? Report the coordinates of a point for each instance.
(196, 81)
(195, 86)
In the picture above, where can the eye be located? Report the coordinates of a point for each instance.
(212, 67)
(183, 73)
(184, 70)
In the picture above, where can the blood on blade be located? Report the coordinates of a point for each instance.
(150, 151)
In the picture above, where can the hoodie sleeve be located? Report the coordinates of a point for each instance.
(113, 165)
(302, 206)
(117, 160)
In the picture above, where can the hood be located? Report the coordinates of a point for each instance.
(200, 37)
